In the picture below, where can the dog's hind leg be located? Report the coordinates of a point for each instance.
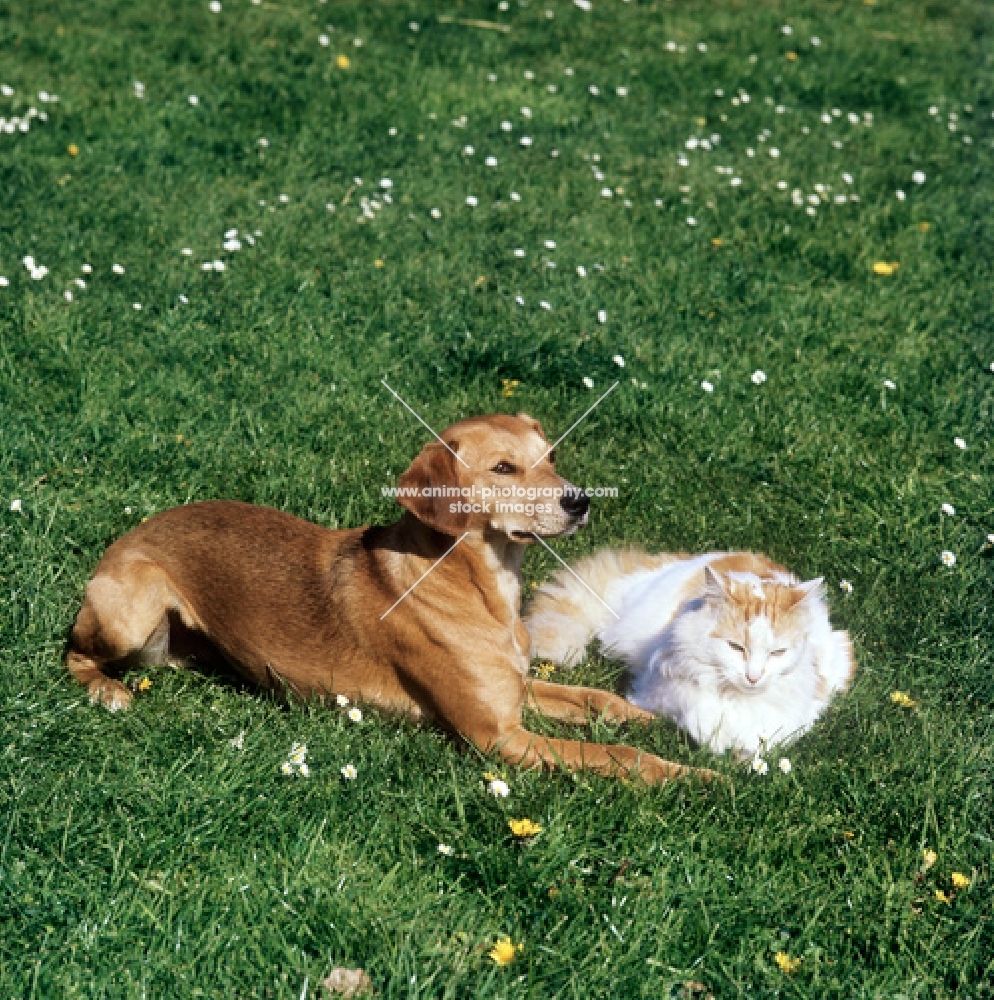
(124, 616)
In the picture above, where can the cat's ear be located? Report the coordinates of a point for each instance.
(715, 585)
(810, 590)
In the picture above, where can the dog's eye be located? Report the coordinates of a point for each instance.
(737, 646)
(504, 468)
(552, 456)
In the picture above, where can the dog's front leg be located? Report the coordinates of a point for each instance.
(529, 750)
(578, 704)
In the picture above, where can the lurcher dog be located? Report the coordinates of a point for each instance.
(419, 617)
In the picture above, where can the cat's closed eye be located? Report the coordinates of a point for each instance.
(737, 646)
(777, 652)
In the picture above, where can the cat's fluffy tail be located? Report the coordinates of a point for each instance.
(564, 615)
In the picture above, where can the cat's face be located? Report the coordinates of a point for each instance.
(760, 627)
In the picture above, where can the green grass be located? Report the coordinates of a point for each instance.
(141, 855)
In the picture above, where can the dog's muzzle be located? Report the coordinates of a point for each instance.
(576, 503)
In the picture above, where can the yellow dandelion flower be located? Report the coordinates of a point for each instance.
(504, 951)
(545, 670)
(942, 897)
(903, 699)
(510, 384)
(792, 56)
(924, 226)
(960, 881)
(882, 267)
(717, 241)
(73, 149)
(343, 62)
(144, 684)
(524, 827)
(788, 966)
(929, 858)
(378, 262)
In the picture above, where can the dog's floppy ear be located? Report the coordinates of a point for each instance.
(422, 489)
(532, 422)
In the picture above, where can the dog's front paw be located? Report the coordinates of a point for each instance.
(113, 695)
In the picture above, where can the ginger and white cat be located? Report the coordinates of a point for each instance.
(729, 645)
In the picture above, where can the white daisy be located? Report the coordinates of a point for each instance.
(760, 766)
(16, 506)
(948, 509)
(707, 386)
(601, 315)
(588, 381)
(758, 377)
(845, 586)
(947, 558)
(619, 360)
(472, 200)
(498, 789)
(960, 443)
(784, 765)
(355, 714)
(446, 850)
(342, 701)
(349, 773)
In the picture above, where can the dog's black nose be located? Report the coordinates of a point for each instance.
(575, 503)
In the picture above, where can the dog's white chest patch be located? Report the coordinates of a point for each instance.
(509, 592)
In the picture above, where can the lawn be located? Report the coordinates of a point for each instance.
(241, 220)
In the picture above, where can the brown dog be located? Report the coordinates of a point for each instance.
(420, 617)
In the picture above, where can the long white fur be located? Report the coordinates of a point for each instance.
(650, 612)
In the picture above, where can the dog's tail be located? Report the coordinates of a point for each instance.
(569, 610)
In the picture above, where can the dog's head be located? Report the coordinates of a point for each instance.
(493, 472)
